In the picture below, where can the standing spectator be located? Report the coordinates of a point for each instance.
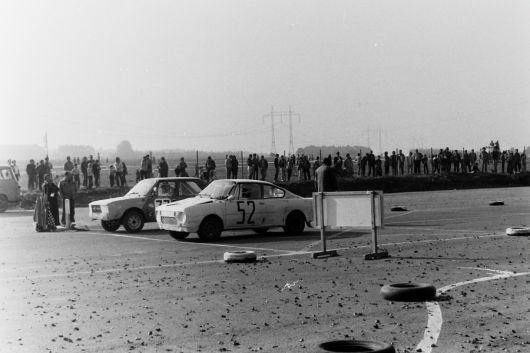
(348, 166)
(290, 166)
(249, 166)
(364, 162)
(75, 174)
(228, 166)
(337, 163)
(503, 161)
(149, 166)
(276, 167)
(425, 163)
(210, 169)
(118, 168)
(326, 177)
(484, 156)
(90, 174)
(112, 175)
(517, 161)
(144, 167)
(234, 166)
(68, 191)
(410, 163)
(401, 162)
(182, 167)
(472, 159)
(163, 168)
(417, 162)
(31, 171)
(48, 167)
(371, 163)
(379, 166)
(51, 195)
(263, 166)
(394, 163)
(255, 166)
(84, 171)
(41, 172)
(523, 161)
(15, 169)
(283, 167)
(96, 167)
(68, 166)
(386, 163)
(316, 165)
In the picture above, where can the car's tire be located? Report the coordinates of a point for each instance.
(178, 235)
(356, 346)
(210, 229)
(518, 231)
(261, 230)
(295, 223)
(133, 221)
(408, 292)
(4, 203)
(239, 256)
(111, 226)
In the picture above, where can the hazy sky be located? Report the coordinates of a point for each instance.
(203, 74)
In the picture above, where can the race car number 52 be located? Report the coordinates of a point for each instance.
(243, 211)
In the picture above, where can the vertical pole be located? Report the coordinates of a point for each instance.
(374, 227)
(242, 167)
(67, 213)
(197, 164)
(322, 225)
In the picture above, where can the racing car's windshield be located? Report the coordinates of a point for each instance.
(218, 189)
(142, 188)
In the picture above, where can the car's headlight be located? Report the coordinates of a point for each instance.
(181, 217)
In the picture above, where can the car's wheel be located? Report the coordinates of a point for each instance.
(295, 223)
(408, 292)
(261, 230)
(178, 235)
(133, 221)
(210, 229)
(356, 346)
(4, 203)
(111, 226)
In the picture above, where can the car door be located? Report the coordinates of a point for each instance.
(243, 209)
(273, 206)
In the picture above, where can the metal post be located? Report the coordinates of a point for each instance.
(322, 225)
(67, 213)
(374, 227)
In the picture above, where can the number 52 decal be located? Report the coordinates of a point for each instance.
(243, 212)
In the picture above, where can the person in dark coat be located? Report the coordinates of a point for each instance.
(51, 193)
(163, 168)
(326, 177)
(68, 190)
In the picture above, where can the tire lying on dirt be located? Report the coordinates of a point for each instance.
(408, 292)
(239, 256)
(518, 231)
(355, 346)
(496, 203)
(398, 208)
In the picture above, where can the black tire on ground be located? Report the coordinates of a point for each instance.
(295, 223)
(4, 203)
(261, 230)
(398, 208)
(111, 226)
(178, 235)
(210, 229)
(356, 346)
(515, 231)
(239, 256)
(133, 221)
(408, 292)
(497, 203)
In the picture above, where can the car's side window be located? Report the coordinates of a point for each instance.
(271, 192)
(185, 190)
(250, 191)
(166, 189)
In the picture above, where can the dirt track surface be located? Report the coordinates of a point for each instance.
(96, 291)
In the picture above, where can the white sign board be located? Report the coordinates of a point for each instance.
(349, 209)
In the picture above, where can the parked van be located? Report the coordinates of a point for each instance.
(9, 188)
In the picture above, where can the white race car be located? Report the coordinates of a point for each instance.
(235, 204)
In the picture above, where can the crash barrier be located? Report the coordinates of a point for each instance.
(356, 209)
(355, 346)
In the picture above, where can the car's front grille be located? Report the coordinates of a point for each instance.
(168, 220)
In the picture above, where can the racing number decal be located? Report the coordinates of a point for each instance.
(242, 210)
(159, 202)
